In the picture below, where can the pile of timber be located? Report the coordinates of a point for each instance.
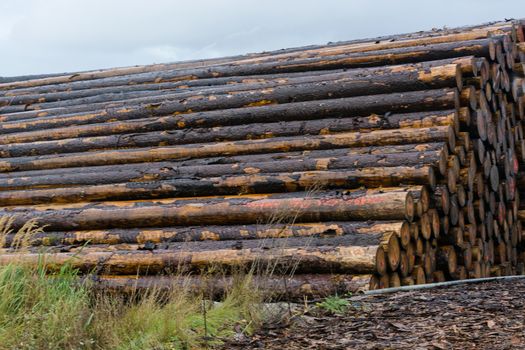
(337, 168)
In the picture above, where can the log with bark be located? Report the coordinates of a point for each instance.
(294, 143)
(272, 288)
(326, 98)
(370, 253)
(358, 82)
(372, 204)
(358, 159)
(215, 232)
(225, 185)
(167, 131)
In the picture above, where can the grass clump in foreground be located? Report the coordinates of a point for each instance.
(39, 311)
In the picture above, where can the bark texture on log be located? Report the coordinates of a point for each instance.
(381, 204)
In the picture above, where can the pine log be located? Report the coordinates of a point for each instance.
(425, 226)
(444, 225)
(454, 237)
(477, 252)
(340, 140)
(224, 185)
(381, 282)
(460, 273)
(394, 280)
(328, 99)
(479, 47)
(464, 254)
(379, 43)
(411, 255)
(274, 288)
(413, 39)
(404, 265)
(210, 167)
(361, 153)
(354, 82)
(418, 275)
(163, 131)
(435, 222)
(414, 231)
(454, 210)
(335, 254)
(60, 92)
(428, 264)
(475, 271)
(470, 233)
(381, 204)
(439, 276)
(214, 232)
(441, 199)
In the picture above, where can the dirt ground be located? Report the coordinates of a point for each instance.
(472, 316)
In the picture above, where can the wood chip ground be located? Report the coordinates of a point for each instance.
(474, 316)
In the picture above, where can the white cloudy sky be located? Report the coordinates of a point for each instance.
(43, 36)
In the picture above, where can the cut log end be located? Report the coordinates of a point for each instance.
(393, 251)
(410, 207)
(418, 275)
(404, 234)
(381, 262)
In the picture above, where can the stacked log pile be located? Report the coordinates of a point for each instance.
(355, 165)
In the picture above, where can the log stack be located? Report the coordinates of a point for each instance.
(354, 165)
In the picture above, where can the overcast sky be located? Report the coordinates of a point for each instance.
(44, 36)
